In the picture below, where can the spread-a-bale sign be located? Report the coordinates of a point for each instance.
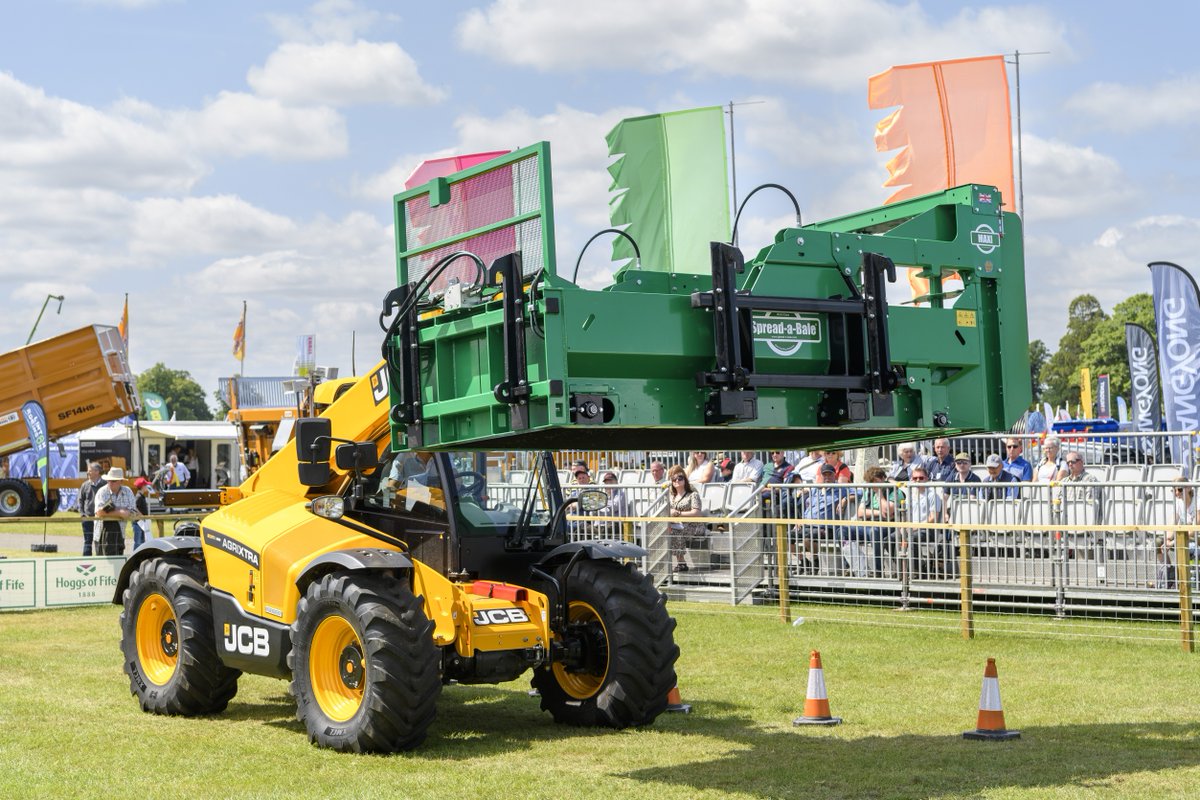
(51, 582)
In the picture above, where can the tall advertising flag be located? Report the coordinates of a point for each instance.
(1103, 403)
(39, 439)
(123, 325)
(1143, 375)
(239, 337)
(1177, 317)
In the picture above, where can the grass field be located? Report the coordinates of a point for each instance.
(1100, 718)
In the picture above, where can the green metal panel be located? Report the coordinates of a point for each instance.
(645, 353)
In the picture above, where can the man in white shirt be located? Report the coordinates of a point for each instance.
(748, 470)
(174, 475)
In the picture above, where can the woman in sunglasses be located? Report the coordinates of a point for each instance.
(1050, 467)
(682, 502)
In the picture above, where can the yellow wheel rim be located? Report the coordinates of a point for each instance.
(336, 668)
(582, 685)
(157, 639)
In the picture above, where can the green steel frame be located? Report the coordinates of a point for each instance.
(807, 354)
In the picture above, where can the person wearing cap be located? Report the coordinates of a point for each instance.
(748, 470)
(141, 526)
(724, 471)
(997, 474)
(962, 475)
(114, 505)
(580, 475)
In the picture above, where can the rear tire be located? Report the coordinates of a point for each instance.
(634, 636)
(168, 641)
(17, 498)
(365, 671)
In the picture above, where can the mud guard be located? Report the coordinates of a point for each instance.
(174, 545)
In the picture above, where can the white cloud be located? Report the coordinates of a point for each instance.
(54, 142)
(1063, 180)
(800, 139)
(810, 42)
(1128, 108)
(1112, 267)
(342, 74)
(240, 124)
(328, 20)
(197, 225)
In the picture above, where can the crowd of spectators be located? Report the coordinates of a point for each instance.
(919, 489)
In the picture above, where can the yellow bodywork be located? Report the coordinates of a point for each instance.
(257, 547)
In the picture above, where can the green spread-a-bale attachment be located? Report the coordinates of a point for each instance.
(489, 347)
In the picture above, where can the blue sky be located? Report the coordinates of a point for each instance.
(196, 155)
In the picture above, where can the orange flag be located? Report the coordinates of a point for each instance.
(123, 325)
(239, 337)
(954, 126)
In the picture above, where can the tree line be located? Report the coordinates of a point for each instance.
(1093, 339)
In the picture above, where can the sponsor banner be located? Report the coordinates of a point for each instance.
(56, 582)
(19, 584)
(1177, 317)
(77, 581)
(306, 354)
(154, 407)
(1143, 376)
(39, 440)
(1103, 409)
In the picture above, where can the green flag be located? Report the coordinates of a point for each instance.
(673, 190)
(154, 407)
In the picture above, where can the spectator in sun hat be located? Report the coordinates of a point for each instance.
(114, 505)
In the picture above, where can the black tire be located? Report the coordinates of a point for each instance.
(17, 498)
(168, 641)
(630, 681)
(387, 701)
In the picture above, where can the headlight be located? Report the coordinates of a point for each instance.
(329, 506)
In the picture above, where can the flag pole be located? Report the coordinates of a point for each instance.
(1016, 62)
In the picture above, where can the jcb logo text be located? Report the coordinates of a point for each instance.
(246, 640)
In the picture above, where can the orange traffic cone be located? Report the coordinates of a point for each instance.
(990, 724)
(816, 702)
(675, 702)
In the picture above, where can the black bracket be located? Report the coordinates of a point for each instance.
(514, 389)
(854, 375)
(404, 365)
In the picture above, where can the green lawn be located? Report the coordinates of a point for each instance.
(1100, 718)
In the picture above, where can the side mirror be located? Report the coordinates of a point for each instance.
(356, 456)
(593, 499)
(312, 450)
